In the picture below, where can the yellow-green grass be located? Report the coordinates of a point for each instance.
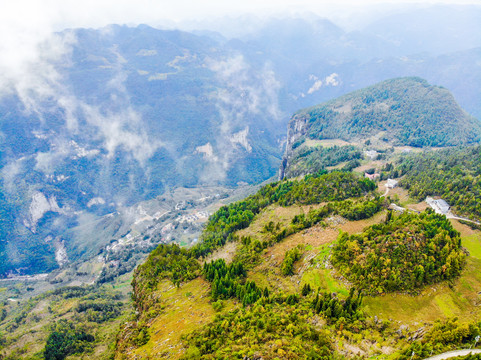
(326, 143)
(186, 309)
(470, 238)
(473, 244)
(324, 280)
(275, 213)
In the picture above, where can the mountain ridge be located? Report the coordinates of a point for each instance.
(400, 112)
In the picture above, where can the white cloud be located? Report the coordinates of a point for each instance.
(316, 86)
(330, 80)
(122, 130)
(244, 93)
(30, 67)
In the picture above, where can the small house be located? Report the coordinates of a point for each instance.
(439, 206)
(371, 176)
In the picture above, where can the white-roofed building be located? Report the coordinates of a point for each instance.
(439, 206)
(391, 183)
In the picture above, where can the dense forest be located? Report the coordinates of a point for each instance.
(272, 328)
(408, 110)
(453, 174)
(404, 253)
(312, 159)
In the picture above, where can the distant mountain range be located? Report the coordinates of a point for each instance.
(127, 112)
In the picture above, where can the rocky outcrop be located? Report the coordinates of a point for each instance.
(207, 150)
(296, 129)
(241, 139)
(60, 252)
(39, 206)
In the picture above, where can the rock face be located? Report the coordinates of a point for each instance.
(39, 206)
(241, 139)
(61, 256)
(296, 129)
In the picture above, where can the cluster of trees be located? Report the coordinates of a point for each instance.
(290, 258)
(99, 311)
(229, 281)
(271, 328)
(444, 335)
(350, 209)
(65, 339)
(406, 252)
(334, 186)
(333, 308)
(313, 159)
(165, 262)
(453, 174)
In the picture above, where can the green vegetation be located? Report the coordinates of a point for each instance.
(405, 253)
(274, 328)
(408, 110)
(229, 281)
(443, 336)
(335, 309)
(65, 340)
(453, 174)
(308, 160)
(290, 258)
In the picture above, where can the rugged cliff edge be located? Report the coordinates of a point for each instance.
(296, 129)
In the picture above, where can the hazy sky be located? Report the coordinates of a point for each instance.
(56, 14)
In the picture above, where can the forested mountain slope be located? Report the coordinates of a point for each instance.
(399, 112)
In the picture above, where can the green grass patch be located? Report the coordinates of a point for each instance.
(473, 244)
(446, 304)
(322, 278)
